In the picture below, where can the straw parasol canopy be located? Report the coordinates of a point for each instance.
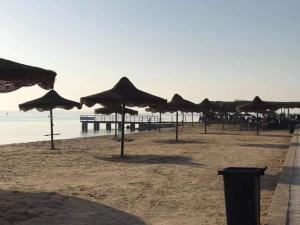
(15, 75)
(178, 103)
(124, 93)
(257, 106)
(117, 110)
(207, 106)
(158, 109)
(286, 105)
(48, 102)
(229, 106)
(163, 108)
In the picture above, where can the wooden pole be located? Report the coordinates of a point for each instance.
(116, 128)
(177, 125)
(205, 131)
(51, 128)
(257, 129)
(192, 119)
(123, 124)
(159, 122)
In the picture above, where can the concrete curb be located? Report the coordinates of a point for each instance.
(280, 205)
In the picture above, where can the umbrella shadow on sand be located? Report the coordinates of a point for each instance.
(171, 141)
(266, 145)
(291, 174)
(152, 159)
(274, 135)
(52, 208)
(295, 144)
(224, 133)
(125, 139)
(269, 182)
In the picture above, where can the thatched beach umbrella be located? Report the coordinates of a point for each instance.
(15, 75)
(48, 102)
(257, 106)
(226, 107)
(180, 104)
(229, 106)
(286, 105)
(206, 106)
(117, 110)
(158, 109)
(124, 93)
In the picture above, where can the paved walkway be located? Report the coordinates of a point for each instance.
(293, 217)
(285, 206)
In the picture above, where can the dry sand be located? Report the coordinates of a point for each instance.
(159, 182)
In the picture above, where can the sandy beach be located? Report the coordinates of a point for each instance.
(159, 182)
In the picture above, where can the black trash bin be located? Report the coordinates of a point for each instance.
(242, 194)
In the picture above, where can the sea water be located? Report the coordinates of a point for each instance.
(20, 127)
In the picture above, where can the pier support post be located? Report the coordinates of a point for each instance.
(159, 126)
(149, 125)
(84, 126)
(108, 126)
(132, 126)
(119, 126)
(192, 119)
(96, 126)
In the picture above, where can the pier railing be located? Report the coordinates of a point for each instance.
(128, 119)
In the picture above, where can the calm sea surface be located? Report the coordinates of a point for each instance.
(20, 127)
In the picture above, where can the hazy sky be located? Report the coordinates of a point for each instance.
(220, 49)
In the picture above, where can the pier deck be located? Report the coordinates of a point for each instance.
(133, 122)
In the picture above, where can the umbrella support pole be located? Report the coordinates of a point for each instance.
(122, 137)
(51, 128)
(177, 125)
(257, 128)
(192, 119)
(116, 118)
(159, 122)
(205, 124)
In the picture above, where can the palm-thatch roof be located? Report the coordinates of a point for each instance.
(286, 105)
(115, 109)
(163, 108)
(228, 106)
(257, 105)
(178, 103)
(49, 101)
(124, 92)
(206, 106)
(15, 75)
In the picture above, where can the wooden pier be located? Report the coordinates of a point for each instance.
(140, 123)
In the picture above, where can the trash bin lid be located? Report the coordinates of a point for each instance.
(242, 171)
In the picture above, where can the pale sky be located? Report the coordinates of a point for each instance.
(220, 49)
